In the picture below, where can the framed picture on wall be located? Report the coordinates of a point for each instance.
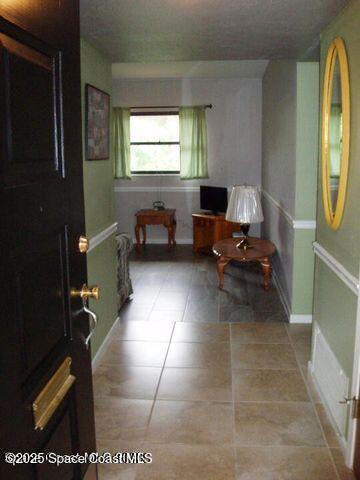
(97, 127)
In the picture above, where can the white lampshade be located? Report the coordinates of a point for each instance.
(244, 205)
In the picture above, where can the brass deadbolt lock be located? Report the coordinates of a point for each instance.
(83, 244)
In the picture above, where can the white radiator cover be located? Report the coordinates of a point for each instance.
(331, 380)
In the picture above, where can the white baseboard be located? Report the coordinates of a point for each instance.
(294, 318)
(281, 293)
(96, 360)
(163, 241)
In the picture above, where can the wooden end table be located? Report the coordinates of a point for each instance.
(261, 251)
(155, 217)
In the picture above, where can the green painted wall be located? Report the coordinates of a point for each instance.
(289, 173)
(307, 147)
(102, 271)
(335, 306)
(303, 273)
(98, 175)
(344, 244)
(99, 203)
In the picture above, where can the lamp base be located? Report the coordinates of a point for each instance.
(244, 244)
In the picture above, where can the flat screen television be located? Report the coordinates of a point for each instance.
(214, 199)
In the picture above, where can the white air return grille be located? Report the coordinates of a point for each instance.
(331, 379)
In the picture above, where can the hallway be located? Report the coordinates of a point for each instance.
(213, 383)
(213, 402)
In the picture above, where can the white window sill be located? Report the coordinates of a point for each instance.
(155, 174)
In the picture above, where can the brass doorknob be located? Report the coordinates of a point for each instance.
(87, 292)
(83, 244)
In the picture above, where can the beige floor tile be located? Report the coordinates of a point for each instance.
(117, 471)
(122, 471)
(303, 353)
(127, 382)
(140, 354)
(300, 333)
(144, 331)
(179, 283)
(119, 445)
(144, 296)
(259, 333)
(135, 311)
(188, 462)
(195, 384)
(343, 472)
(284, 423)
(161, 316)
(202, 355)
(171, 301)
(332, 438)
(284, 463)
(121, 419)
(191, 423)
(269, 385)
(263, 356)
(206, 332)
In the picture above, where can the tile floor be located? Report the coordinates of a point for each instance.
(211, 400)
(179, 285)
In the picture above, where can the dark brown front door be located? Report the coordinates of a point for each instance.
(46, 390)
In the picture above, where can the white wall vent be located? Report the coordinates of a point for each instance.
(331, 380)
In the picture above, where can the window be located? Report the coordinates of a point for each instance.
(154, 142)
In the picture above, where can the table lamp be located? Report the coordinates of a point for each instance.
(244, 207)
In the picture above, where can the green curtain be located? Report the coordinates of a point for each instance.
(193, 143)
(121, 141)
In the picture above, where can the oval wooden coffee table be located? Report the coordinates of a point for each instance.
(260, 251)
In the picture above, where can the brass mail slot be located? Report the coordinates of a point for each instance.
(52, 394)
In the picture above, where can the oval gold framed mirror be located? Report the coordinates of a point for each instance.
(335, 132)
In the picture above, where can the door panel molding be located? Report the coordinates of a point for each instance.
(20, 67)
(30, 302)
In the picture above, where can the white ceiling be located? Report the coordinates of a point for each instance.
(191, 30)
(211, 69)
